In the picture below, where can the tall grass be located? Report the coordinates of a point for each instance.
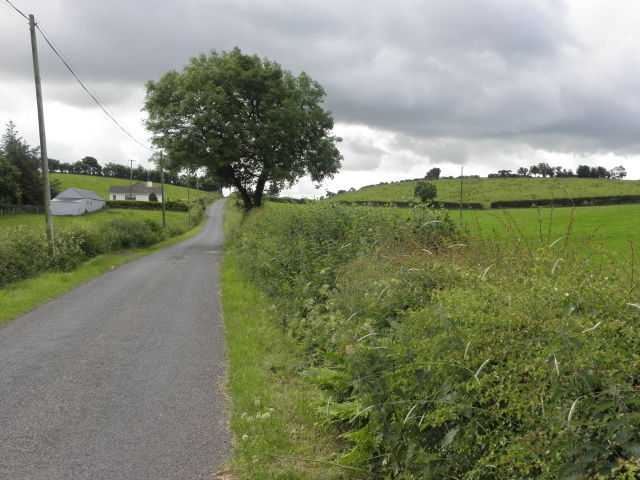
(445, 355)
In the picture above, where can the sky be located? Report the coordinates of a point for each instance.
(467, 86)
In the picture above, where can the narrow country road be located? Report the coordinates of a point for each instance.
(121, 377)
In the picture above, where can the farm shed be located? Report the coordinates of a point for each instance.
(138, 192)
(74, 201)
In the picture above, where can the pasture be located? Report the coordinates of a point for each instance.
(487, 190)
(614, 227)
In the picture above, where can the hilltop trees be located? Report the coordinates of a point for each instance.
(433, 174)
(546, 170)
(618, 172)
(251, 124)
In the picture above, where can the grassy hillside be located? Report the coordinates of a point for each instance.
(487, 190)
(100, 185)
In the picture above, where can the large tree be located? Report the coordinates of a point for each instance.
(250, 123)
(10, 193)
(26, 159)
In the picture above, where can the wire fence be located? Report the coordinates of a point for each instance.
(11, 209)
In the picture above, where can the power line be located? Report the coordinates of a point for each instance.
(46, 34)
(66, 63)
(16, 9)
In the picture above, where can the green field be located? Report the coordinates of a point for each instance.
(487, 190)
(614, 226)
(100, 185)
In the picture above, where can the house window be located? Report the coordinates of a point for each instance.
(129, 197)
(114, 197)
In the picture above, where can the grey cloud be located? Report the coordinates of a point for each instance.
(447, 79)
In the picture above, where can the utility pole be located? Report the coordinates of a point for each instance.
(131, 181)
(164, 215)
(43, 140)
(188, 201)
(461, 177)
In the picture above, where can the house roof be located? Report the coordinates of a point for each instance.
(77, 194)
(138, 187)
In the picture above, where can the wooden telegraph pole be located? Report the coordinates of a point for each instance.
(131, 181)
(43, 140)
(461, 177)
(164, 215)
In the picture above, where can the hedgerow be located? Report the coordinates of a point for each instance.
(24, 252)
(450, 356)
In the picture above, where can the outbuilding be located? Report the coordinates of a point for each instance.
(75, 201)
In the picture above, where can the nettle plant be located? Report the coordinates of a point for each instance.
(445, 355)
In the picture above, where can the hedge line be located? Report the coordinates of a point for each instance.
(500, 204)
(134, 204)
(24, 252)
(568, 202)
(379, 203)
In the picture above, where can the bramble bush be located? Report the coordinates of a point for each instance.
(446, 355)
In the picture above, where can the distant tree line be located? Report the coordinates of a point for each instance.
(21, 172)
(90, 166)
(546, 170)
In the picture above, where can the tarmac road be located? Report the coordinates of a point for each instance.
(121, 377)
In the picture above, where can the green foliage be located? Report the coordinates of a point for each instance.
(10, 192)
(250, 123)
(454, 357)
(19, 154)
(24, 251)
(139, 205)
(425, 191)
(569, 202)
(433, 174)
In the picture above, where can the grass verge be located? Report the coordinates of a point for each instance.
(21, 297)
(273, 414)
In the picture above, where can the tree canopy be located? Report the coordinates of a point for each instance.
(26, 159)
(10, 193)
(425, 191)
(433, 174)
(253, 125)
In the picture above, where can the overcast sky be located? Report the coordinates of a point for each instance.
(413, 84)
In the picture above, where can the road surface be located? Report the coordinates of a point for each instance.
(121, 378)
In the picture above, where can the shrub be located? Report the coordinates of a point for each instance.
(23, 254)
(131, 233)
(445, 356)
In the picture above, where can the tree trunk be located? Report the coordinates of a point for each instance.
(246, 198)
(259, 192)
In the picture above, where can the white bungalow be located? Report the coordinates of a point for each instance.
(74, 201)
(138, 192)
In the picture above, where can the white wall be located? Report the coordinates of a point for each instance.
(65, 207)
